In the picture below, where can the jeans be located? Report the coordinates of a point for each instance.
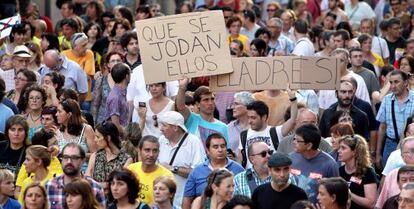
(389, 147)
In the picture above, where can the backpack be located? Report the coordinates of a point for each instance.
(243, 139)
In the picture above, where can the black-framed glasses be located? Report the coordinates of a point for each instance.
(71, 157)
(264, 153)
(155, 118)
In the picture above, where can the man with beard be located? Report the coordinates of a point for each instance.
(279, 193)
(73, 156)
(345, 95)
(147, 170)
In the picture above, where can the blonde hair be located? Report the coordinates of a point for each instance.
(358, 144)
(39, 152)
(6, 175)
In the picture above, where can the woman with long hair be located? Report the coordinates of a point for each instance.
(13, 149)
(158, 104)
(23, 78)
(73, 127)
(333, 193)
(357, 171)
(219, 190)
(38, 159)
(164, 192)
(103, 85)
(123, 190)
(35, 99)
(35, 197)
(94, 33)
(79, 195)
(109, 156)
(337, 132)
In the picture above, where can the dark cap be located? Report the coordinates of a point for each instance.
(278, 160)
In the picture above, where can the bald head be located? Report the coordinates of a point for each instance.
(306, 116)
(353, 44)
(51, 58)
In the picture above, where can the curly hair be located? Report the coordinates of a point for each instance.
(37, 88)
(358, 144)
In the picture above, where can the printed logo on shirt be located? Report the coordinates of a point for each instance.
(356, 180)
(295, 172)
(315, 176)
(265, 139)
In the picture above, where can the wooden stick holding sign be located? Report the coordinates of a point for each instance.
(260, 73)
(192, 44)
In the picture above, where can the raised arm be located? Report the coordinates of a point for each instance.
(180, 99)
(291, 122)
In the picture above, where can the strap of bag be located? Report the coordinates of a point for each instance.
(250, 180)
(273, 136)
(394, 122)
(243, 140)
(176, 150)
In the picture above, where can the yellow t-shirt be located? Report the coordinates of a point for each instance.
(54, 167)
(64, 43)
(146, 180)
(29, 180)
(87, 63)
(242, 38)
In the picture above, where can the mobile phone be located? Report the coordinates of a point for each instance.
(142, 104)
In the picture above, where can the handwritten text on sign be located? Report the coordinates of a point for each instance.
(259, 73)
(189, 44)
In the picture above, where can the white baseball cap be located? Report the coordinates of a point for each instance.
(173, 118)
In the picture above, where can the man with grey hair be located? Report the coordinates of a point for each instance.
(85, 58)
(406, 199)
(390, 188)
(75, 77)
(279, 44)
(241, 100)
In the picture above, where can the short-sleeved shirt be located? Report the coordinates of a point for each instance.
(12, 204)
(11, 159)
(356, 184)
(241, 182)
(308, 172)
(197, 180)
(5, 113)
(202, 128)
(265, 197)
(402, 112)
(146, 180)
(191, 146)
(55, 168)
(56, 195)
(304, 47)
(75, 77)
(116, 104)
(360, 11)
(370, 80)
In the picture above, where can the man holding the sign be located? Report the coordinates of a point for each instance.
(203, 124)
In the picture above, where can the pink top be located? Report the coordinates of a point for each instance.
(389, 189)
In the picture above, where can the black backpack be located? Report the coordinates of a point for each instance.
(243, 139)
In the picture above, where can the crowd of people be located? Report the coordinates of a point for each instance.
(80, 129)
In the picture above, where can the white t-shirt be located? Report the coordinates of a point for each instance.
(304, 47)
(254, 136)
(328, 97)
(190, 154)
(137, 90)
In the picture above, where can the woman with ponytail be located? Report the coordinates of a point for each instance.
(219, 190)
(357, 171)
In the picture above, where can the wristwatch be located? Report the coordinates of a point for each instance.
(175, 169)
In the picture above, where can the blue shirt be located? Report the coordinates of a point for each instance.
(116, 104)
(202, 128)
(197, 180)
(11, 204)
(5, 113)
(402, 112)
(283, 43)
(75, 77)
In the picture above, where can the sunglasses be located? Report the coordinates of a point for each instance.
(264, 153)
(155, 118)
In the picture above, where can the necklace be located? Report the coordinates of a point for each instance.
(34, 120)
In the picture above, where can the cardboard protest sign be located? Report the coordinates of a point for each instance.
(260, 73)
(192, 44)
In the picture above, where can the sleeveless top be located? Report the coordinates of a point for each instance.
(81, 140)
(150, 122)
(207, 204)
(103, 167)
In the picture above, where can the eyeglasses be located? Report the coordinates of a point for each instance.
(155, 118)
(406, 200)
(298, 141)
(35, 98)
(71, 157)
(264, 153)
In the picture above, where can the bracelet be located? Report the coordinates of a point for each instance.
(292, 99)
